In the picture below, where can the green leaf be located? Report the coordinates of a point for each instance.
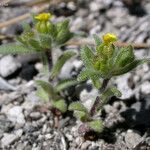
(60, 104)
(14, 49)
(48, 88)
(65, 84)
(89, 73)
(116, 92)
(129, 67)
(125, 56)
(42, 94)
(96, 125)
(35, 45)
(26, 27)
(77, 106)
(62, 25)
(97, 40)
(110, 92)
(63, 36)
(96, 82)
(87, 56)
(45, 40)
(60, 62)
(84, 117)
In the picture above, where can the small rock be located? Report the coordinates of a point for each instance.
(4, 85)
(8, 66)
(85, 145)
(88, 98)
(132, 139)
(35, 115)
(122, 85)
(8, 139)
(15, 115)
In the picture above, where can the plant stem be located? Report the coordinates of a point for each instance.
(49, 59)
(97, 100)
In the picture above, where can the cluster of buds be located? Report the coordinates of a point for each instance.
(110, 59)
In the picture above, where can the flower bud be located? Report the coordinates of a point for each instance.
(44, 25)
(109, 38)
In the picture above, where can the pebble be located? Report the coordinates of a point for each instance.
(35, 115)
(15, 115)
(132, 139)
(8, 66)
(145, 87)
(122, 85)
(8, 139)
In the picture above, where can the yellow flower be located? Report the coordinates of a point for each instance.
(43, 16)
(109, 38)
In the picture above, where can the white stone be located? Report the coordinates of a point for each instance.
(145, 87)
(15, 115)
(122, 85)
(8, 65)
(8, 139)
(132, 139)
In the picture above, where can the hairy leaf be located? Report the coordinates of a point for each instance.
(89, 74)
(26, 27)
(97, 40)
(60, 104)
(77, 106)
(96, 125)
(87, 56)
(65, 84)
(60, 62)
(116, 92)
(125, 56)
(129, 67)
(14, 49)
(81, 116)
(48, 88)
(42, 94)
(45, 40)
(35, 45)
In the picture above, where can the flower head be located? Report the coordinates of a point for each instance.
(43, 16)
(109, 38)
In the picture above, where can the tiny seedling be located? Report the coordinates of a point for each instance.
(104, 63)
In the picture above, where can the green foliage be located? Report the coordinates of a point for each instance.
(129, 67)
(108, 61)
(42, 94)
(47, 92)
(64, 84)
(96, 125)
(77, 106)
(14, 49)
(60, 62)
(48, 88)
(87, 56)
(84, 117)
(97, 40)
(60, 105)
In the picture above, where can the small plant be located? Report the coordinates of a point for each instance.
(104, 63)
(43, 38)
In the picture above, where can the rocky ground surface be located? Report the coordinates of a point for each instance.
(25, 121)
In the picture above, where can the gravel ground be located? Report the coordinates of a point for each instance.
(25, 121)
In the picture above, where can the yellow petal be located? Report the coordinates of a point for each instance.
(43, 16)
(109, 38)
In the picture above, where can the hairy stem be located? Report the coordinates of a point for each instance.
(97, 100)
(49, 59)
